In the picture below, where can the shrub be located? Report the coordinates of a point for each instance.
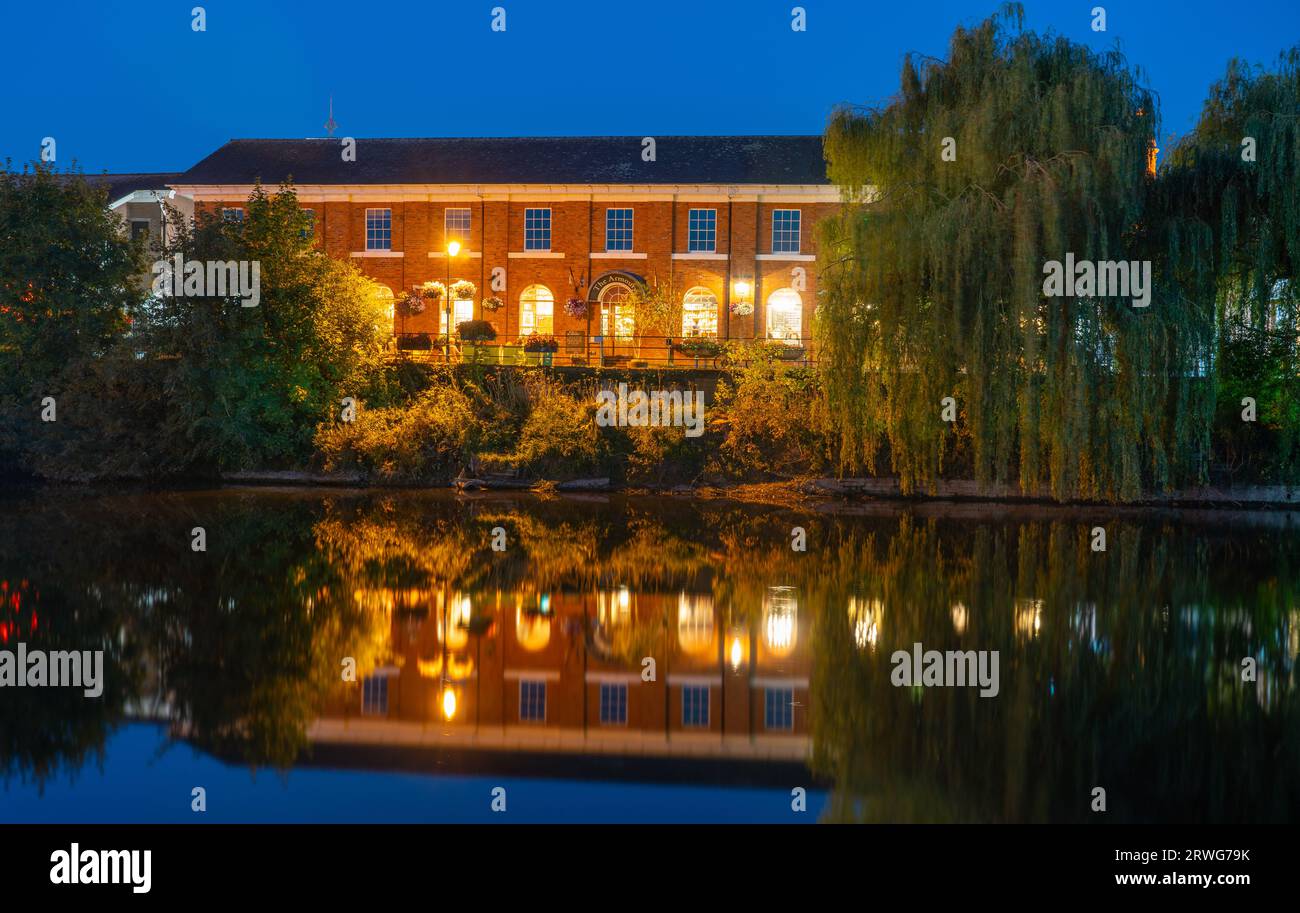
(476, 331)
(560, 437)
(426, 441)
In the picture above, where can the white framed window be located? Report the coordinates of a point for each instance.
(456, 224)
(617, 313)
(785, 231)
(536, 311)
(232, 214)
(613, 704)
(379, 229)
(374, 695)
(537, 229)
(695, 707)
(778, 708)
(702, 231)
(461, 311)
(532, 701)
(618, 229)
(700, 312)
(785, 316)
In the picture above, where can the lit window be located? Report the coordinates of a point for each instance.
(456, 225)
(462, 309)
(618, 229)
(537, 229)
(695, 623)
(785, 316)
(695, 707)
(617, 312)
(379, 229)
(780, 620)
(233, 214)
(785, 231)
(778, 710)
(700, 313)
(374, 695)
(536, 311)
(702, 231)
(613, 704)
(532, 702)
(384, 296)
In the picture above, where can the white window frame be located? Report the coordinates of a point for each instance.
(389, 219)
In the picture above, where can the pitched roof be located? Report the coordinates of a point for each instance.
(119, 185)
(518, 160)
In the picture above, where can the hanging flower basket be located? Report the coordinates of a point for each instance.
(577, 307)
(463, 289)
(434, 291)
(742, 308)
(493, 304)
(411, 305)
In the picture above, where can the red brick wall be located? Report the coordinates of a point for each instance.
(577, 229)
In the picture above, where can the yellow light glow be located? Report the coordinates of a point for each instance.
(453, 248)
(736, 654)
(742, 289)
(448, 704)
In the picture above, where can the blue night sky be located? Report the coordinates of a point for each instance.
(130, 87)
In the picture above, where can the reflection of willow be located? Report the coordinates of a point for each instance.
(1116, 670)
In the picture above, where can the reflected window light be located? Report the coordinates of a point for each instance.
(780, 620)
(959, 617)
(1029, 617)
(865, 616)
(695, 623)
(448, 704)
(614, 607)
(533, 632)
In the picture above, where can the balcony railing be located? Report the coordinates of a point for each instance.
(574, 349)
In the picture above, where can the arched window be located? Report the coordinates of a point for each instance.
(700, 313)
(780, 620)
(695, 623)
(617, 317)
(384, 296)
(536, 311)
(785, 316)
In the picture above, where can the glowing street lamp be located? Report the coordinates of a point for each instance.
(453, 248)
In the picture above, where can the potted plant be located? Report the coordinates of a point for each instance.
(472, 334)
(463, 289)
(742, 308)
(699, 347)
(493, 304)
(410, 304)
(434, 291)
(577, 308)
(543, 345)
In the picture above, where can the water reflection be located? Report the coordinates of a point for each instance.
(653, 631)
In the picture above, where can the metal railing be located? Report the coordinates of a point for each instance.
(574, 349)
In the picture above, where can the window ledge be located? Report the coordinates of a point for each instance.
(801, 258)
(701, 255)
(442, 254)
(616, 255)
(377, 253)
(534, 255)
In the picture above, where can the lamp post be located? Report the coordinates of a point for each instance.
(453, 248)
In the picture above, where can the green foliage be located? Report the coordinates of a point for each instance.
(560, 438)
(936, 271)
(425, 440)
(476, 331)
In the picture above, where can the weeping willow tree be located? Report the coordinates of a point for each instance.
(1228, 205)
(1016, 151)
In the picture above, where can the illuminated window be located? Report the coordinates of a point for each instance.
(778, 708)
(456, 225)
(700, 313)
(532, 702)
(695, 623)
(613, 704)
(384, 295)
(785, 231)
(461, 310)
(785, 316)
(617, 315)
(702, 231)
(234, 214)
(695, 707)
(374, 695)
(780, 620)
(379, 229)
(618, 229)
(536, 311)
(537, 229)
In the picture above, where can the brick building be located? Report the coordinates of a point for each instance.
(724, 226)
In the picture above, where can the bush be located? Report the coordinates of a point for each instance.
(560, 438)
(664, 455)
(476, 331)
(428, 440)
